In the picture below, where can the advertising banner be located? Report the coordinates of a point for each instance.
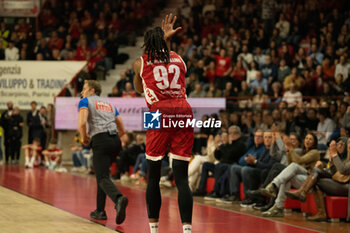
(19, 8)
(24, 81)
(130, 109)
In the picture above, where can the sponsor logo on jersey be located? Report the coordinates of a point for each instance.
(103, 106)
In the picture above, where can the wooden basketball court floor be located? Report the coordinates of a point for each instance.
(39, 200)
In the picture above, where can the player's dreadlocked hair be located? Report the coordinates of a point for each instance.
(155, 45)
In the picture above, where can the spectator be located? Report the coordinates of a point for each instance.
(238, 74)
(293, 78)
(197, 92)
(342, 68)
(55, 42)
(293, 96)
(80, 155)
(325, 128)
(259, 82)
(276, 92)
(328, 69)
(129, 155)
(15, 134)
(41, 129)
(294, 175)
(316, 54)
(98, 55)
(235, 171)
(269, 70)
(11, 53)
(245, 57)
(259, 57)
(115, 92)
(283, 71)
(223, 68)
(223, 153)
(331, 180)
(129, 92)
(82, 50)
(195, 166)
(4, 35)
(283, 26)
(229, 91)
(254, 174)
(260, 98)
(251, 72)
(6, 118)
(50, 126)
(213, 91)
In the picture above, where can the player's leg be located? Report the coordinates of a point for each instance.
(156, 144)
(185, 200)
(180, 152)
(153, 197)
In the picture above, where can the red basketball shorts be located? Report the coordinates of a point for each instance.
(178, 140)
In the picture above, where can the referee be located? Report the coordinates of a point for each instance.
(103, 120)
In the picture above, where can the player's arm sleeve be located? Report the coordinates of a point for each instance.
(83, 103)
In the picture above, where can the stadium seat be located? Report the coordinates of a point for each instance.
(292, 204)
(210, 184)
(336, 207)
(241, 192)
(130, 169)
(309, 207)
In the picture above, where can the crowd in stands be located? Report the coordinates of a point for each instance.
(263, 51)
(79, 30)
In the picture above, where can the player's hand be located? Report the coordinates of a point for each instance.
(167, 26)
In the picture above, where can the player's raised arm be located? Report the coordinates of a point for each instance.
(168, 28)
(137, 78)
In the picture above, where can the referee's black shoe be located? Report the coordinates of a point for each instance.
(121, 205)
(99, 215)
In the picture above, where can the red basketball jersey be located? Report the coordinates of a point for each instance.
(163, 81)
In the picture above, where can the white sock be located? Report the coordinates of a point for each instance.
(27, 161)
(187, 228)
(31, 162)
(154, 227)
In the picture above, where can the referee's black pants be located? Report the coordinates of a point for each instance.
(105, 148)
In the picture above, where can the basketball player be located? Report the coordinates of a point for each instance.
(32, 153)
(103, 121)
(160, 73)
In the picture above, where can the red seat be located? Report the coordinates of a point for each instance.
(210, 184)
(336, 206)
(292, 204)
(309, 207)
(241, 191)
(130, 169)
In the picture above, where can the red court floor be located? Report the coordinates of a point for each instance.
(76, 195)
